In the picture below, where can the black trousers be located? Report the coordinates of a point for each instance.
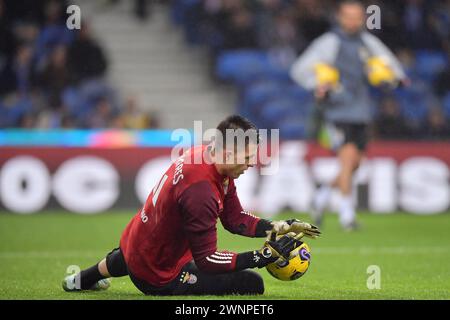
(191, 280)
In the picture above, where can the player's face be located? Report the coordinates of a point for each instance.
(243, 159)
(351, 18)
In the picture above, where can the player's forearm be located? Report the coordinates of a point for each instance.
(224, 262)
(249, 260)
(248, 225)
(217, 262)
(262, 227)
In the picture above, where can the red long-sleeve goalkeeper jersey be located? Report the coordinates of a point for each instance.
(178, 223)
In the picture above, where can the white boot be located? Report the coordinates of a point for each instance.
(347, 213)
(69, 284)
(320, 202)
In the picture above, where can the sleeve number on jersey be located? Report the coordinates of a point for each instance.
(158, 188)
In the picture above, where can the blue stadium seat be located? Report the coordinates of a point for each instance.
(278, 109)
(49, 37)
(413, 104)
(293, 128)
(430, 63)
(15, 112)
(77, 104)
(243, 66)
(446, 105)
(297, 92)
(257, 93)
(179, 9)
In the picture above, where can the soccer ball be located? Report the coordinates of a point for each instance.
(293, 268)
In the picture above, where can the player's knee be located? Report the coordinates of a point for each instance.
(115, 263)
(259, 283)
(252, 282)
(349, 151)
(350, 163)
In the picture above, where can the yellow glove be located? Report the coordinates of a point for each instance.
(379, 72)
(326, 75)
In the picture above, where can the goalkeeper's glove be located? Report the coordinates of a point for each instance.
(274, 249)
(296, 226)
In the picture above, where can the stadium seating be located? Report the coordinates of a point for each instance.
(446, 103)
(243, 66)
(413, 104)
(268, 96)
(429, 64)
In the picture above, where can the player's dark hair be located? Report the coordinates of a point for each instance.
(237, 125)
(349, 2)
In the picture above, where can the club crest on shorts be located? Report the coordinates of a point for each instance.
(187, 277)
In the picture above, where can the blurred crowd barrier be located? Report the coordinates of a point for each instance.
(95, 171)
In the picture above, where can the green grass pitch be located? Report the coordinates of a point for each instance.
(413, 253)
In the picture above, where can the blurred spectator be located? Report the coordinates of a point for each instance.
(442, 83)
(67, 121)
(240, 31)
(53, 33)
(440, 22)
(389, 123)
(277, 30)
(23, 69)
(391, 25)
(55, 76)
(407, 59)
(313, 19)
(101, 116)
(26, 10)
(133, 118)
(27, 121)
(419, 32)
(7, 40)
(142, 8)
(437, 127)
(118, 122)
(86, 59)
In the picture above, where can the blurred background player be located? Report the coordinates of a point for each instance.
(170, 246)
(339, 66)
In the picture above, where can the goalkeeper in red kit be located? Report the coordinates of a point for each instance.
(170, 246)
